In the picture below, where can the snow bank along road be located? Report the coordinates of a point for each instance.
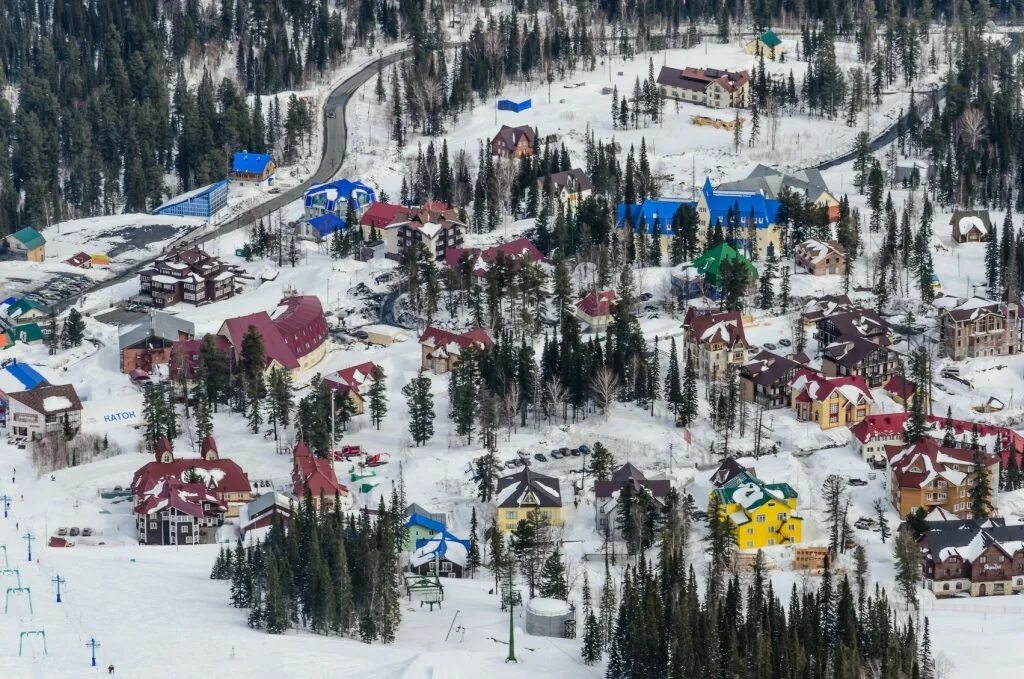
(331, 158)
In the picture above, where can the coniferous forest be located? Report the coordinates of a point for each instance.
(322, 571)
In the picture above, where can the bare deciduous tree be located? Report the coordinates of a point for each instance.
(557, 394)
(511, 402)
(972, 126)
(605, 385)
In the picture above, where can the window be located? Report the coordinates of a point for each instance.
(510, 515)
(771, 529)
(152, 525)
(184, 528)
(982, 559)
(959, 585)
(771, 541)
(750, 531)
(945, 587)
(760, 518)
(446, 566)
(781, 516)
(750, 543)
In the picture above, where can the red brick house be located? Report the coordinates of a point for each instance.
(926, 475)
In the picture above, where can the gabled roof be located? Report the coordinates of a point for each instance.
(709, 264)
(630, 475)
(512, 135)
(444, 342)
(727, 471)
(900, 386)
(965, 221)
(313, 474)
(513, 253)
(528, 488)
(851, 350)
(861, 322)
(660, 211)
(770, 39)
(918, 464)
(220, 476)
(442, 546)
(968, 539)
(597, 303)
(723, 327)
(574, 180)
(29, 238)
(78, 259)
(192, 499)
(742, 203)
(818, 250)
(812, 386)
(425, 522)
(882, 425)
(767, 368)
(698, 79)
(750, 492)
(49, 399)
(970, 310)
(250, 163)
(296, 329)
(19, 308)
(351, 378)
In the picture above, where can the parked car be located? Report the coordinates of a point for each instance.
(584, 448)
(86, 532)
(556, 454)
(540, 457)
(650, 307)
(74, 531)
(361, 335)
(646, 296)
(575, 452)
(785, 342)
(856, 482)
(62, 531)
(769, 346)
(564, 451)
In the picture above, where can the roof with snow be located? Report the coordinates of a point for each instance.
(965, 222)
(767, 368)
(528, 488)
(970, 310)
(49, 399)
(512, 253)
(750, 492)
(597, 303)
(191, 195)
(19, 377)
(698, 79)
(630, 475)
(444, 547)
(852, 350)
(314, 475)
(156, 325)
(767, 180)
(968, 539)
(900, 387)
(445, 343)
(220, 476)
(351, 378)
(335, 196)
(194, 499)
(723, 327)
(817, 250)
(812, 386)
(243, 162)
(918, 464)
(296, 328)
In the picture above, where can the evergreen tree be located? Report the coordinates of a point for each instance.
(201, 413)
(602, 462)
(980, 492)
(592, 642)
(377, 397)
(673, 385)
(75, 327)
(473, 559)
(421, 409)
(687, 412)
(553, 584)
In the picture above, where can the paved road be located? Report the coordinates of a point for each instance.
(332, 155)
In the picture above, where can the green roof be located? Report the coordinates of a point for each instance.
(770, 39)
(30, 332)
(710, 262)
(24, 304)
(29, 237)
(769, 491)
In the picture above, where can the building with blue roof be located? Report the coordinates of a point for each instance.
(716, 206)
(443, 555)
(650, 214)
(204, 202)
(419, 527)
(252, 167)
(320, 227)
(335, 196)
(16, 377)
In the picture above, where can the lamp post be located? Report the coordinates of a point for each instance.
(58, 581)
(6, 499)
(93, 644)
(29, 538)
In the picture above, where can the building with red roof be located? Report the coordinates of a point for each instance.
(928, 475)
(294, 335)
(441, 350)
(315, 475)
(223, 478)
(901, 390)
(830, 401)
(875, 432)
(185, 356)
(349, 383)
(596, 308)
(176, 512)
(712, 87)
(379, 215)
(512, 255)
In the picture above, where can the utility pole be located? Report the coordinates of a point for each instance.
(6, 499)
(511, 620)
(29, 538)
(59, 581)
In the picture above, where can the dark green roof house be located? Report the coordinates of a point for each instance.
(28, 244)
(29, 333)
(709, 264)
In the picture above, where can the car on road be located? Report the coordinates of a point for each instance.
(853, 481)
(274, 189)
(330, 114)
(540, 457)
(785, 342)
(86, 532)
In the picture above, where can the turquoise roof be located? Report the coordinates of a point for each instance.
(29, 237)
(769, 491)
(770, 39)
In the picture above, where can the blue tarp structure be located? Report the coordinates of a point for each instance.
(514, 106)
(20, 374)
(327, 223)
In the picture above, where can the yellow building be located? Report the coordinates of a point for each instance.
(526, 491)
(764, 514)
(830, 401)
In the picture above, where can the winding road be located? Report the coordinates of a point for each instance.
(332, 155)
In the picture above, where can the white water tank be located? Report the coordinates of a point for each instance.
(547, 617)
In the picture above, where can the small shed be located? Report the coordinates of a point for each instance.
(384, 335)
(27, 244)
(252, 167)
(550, 618)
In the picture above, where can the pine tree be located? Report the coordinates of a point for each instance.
(673, 385)
(766, 294)
(980, 492)
(201, 413)
(75, 327)
(688, 408)
(553, 584)
(421, 409)
(275, 610)
(592, 642)
(52, 336)
(908, 566)
(602, 462)
(473, 559)
(607, 607)
(377, 397)
(882, 520)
